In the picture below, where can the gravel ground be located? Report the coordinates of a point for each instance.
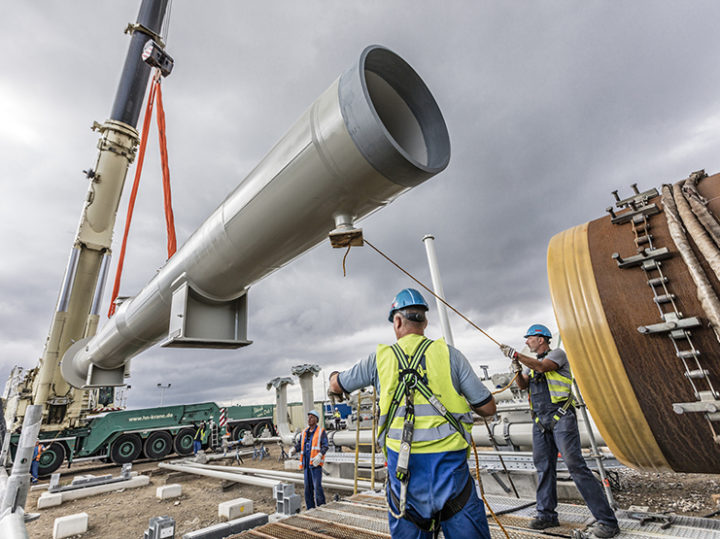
(125, 514)
(689, 494)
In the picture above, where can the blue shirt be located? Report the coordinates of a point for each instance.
(464, 379)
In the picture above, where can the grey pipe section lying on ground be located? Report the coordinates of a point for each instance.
(375, 133)
(335, 482)
(238, 478)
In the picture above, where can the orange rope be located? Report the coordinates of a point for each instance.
(154, 95)
(133, 196)
(169, 218)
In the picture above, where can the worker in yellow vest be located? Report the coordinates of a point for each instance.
(201, 435)
(549, 380)
(312, 446)
(427, 391)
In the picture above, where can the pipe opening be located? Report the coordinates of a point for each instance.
(406, 107)
(393, 118)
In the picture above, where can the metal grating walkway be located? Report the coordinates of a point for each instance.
(365, 516)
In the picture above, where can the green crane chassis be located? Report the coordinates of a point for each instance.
(152, 433)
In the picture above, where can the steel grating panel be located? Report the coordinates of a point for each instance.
(365, 515)
(376, 524)
(338, 528)
(374, 511)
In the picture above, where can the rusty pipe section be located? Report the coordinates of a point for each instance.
(374, 134)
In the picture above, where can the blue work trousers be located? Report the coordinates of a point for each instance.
(34, 467)
(197, 446)
(565, 438)
(314, 494)
(436, 478)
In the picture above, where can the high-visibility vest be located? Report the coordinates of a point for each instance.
(314, 445)
(559, 386)
(201, 434)
(432, 432)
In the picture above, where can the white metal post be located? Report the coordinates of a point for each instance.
(429, 241)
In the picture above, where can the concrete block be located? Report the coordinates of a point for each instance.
(232, 509)
(292, 464)
(168, 491)
(224, 529)
(70, 525)
(49, 499)
(135, 482)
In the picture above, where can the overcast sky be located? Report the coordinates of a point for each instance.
(550, 107)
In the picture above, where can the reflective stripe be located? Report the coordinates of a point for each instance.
(428, 435)
(314, 445)
(559, 386)
(428, 410)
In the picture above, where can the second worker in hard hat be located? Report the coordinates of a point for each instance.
(549, 380)
(312, 446)
(427, 391)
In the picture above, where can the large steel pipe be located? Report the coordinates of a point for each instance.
(375, 133)
(610, 280)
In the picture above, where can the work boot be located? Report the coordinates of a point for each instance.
(541, 523)
(605, 530)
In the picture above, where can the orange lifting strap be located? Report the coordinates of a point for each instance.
(154, 95)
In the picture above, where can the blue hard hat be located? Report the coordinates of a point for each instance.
(313, 412)
(407, 297)
(538, 329)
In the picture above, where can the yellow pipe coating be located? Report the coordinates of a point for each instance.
(593, 355)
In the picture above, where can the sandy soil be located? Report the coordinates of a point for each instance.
(125, 514)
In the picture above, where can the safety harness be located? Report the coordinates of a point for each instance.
(560, 412)
(410, 380)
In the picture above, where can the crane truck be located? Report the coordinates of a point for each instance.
(86, 423)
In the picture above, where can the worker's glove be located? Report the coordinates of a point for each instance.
(317, 459)
(509, 351)
(516, 366)
(291, 452)
(337, 397)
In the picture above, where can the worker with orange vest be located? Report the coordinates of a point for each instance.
(312, 446)
(35, 464)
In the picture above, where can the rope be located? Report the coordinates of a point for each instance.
(482, 490)
(429, 290)
(507, 386)
(133, 196)
(167, 196)
(154, 95)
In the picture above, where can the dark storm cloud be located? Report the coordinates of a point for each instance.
(550, 107)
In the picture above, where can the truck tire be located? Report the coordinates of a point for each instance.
(183, 443)
(238, 432)
(158, 445)
(257, 429)
(126, 448)
(51, 459)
